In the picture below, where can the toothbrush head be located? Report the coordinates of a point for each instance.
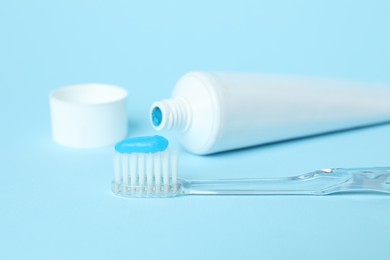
(145, 167)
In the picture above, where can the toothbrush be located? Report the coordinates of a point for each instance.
(145, 167)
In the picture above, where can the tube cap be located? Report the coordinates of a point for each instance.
(88, 115)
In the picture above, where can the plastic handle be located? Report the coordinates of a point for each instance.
(322, 182)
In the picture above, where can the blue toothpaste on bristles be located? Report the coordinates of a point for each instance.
(145, 166)
(144, 144)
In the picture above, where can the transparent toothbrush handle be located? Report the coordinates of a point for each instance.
(321, 182)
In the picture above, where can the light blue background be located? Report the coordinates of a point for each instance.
(55, 202)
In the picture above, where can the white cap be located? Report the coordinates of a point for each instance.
(89, 115)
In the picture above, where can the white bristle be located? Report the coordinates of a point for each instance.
(149, 172)
(165, 170)
(157, 171)
(117, 167)
(141, 171)
(146, 174)
(118, 176)
(174, 162)
(133, 170)
(125, 169)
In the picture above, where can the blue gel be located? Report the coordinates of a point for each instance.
(144, 144)
(156, 116)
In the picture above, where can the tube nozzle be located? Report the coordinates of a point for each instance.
(170, 114)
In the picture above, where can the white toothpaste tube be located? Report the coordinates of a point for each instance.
(220, 111)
